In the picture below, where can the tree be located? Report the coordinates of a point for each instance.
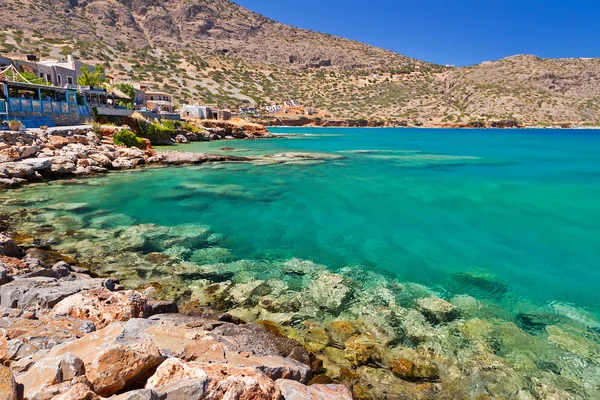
(129, 90)
(94, 78)
(25, 77)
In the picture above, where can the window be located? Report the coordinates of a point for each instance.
(59, 79)
(48, 77)
(70, 80)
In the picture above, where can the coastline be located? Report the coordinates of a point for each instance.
(379, 338)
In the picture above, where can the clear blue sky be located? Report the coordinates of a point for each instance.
(460, 32)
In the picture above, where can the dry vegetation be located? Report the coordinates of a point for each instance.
(215, 51)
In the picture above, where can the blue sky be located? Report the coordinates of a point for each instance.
(460, 32)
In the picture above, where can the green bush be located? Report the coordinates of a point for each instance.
(128, 139)
(152, 130)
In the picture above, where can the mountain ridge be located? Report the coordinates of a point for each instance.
(216, 51)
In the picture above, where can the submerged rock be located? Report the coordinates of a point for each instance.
(437, 310)
(292, 390)
(362, 350)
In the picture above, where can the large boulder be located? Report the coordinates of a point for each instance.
(101, 306)
(292, 390)
(38, 164)
(195, 339)
(8, 385)
(3, 274)
(177, 379)
(115, 358)
(49, 371)
(22, 335)
(44, 292)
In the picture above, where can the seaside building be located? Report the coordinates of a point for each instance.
(274, 108)
(39, 105)
(160, 102)
(292, 103)
(224, 115)
(54, 72)
(195, 111)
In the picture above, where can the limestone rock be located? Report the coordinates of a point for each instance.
(8, 385)
(419, 370)
(115, 357)
(3, 275)
(22, 337)
(177, 379)
(233, 382)
(9, 248)
(123, 163)
(437, 310)
(362, 350)
(42, 292)
(292, 390)
(141, 394)
(101, 306)
(181, 139)
(50, 371)
(38, 164)
(329, 292)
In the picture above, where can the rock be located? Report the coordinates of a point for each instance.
(38, 164)
(3, 275)
(8, 385)
(181, 139)
(9, 183)
(233, 382)
(58, 141)
(123, 163)
(437, 310)
(292, 390)
(162, 307)
(18, 169)
(42, 292)
(101, 306)
(179, 380)
(328, 292)
(63, 168)
(207, 341)
(420, 370)
(362, 350)
(101, 159)
(141, 394)
(9, 248)
(50, 371)
(116, 357)
(77, 389)
(21, 337)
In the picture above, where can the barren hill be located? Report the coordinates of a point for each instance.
(216, 51)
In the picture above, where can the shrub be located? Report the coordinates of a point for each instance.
(128, 139)
(155, 131)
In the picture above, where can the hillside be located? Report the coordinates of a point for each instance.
(215, 51)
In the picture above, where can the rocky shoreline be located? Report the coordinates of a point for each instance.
(67, 334)
(156, 312)
(36, 155)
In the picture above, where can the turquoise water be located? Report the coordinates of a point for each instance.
(508, 215)
(505, 224)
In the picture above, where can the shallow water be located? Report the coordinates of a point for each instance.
(509, 217)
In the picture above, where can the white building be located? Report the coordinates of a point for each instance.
(274, 108)
(196, 111)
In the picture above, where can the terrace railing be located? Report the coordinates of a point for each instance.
(44, 106)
